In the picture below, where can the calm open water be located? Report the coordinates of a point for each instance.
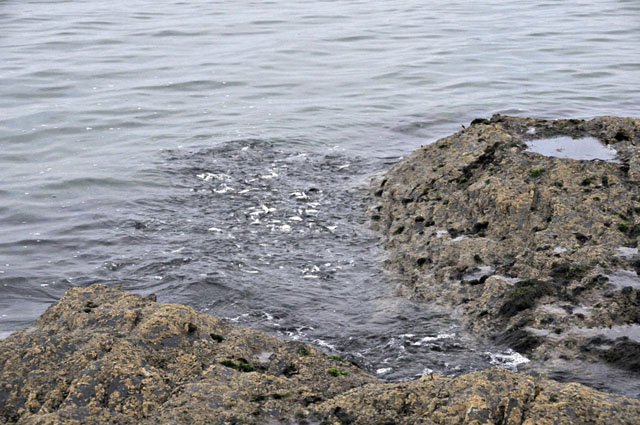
(216, 153)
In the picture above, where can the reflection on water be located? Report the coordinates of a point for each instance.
(124, 127)
(585, 148)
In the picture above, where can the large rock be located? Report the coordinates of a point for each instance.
(538, 252)
(105, 356)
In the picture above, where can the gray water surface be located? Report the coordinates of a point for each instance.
(584, 148)
(124, 124)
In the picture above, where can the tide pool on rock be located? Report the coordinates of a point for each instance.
(526, 245)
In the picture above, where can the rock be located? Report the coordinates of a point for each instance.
(131, 360)
(540, 236)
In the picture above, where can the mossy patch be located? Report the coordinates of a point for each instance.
(568, 271)
(536, 172)
(303, 351)
(336, 358)
(240, 365)
(334, 371)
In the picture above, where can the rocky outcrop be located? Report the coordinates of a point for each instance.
(105, 356)
(538, 252)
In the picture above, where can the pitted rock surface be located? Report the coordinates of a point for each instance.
(523, 245)
(105, 356)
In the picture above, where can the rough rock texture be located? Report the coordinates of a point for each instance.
(105, 356)
(539, 252)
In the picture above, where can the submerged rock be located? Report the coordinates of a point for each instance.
(540, 234)
(105, 356)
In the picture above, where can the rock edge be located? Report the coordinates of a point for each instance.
(105, 356)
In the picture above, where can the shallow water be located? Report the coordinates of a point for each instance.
(585, 148)
(124, 127)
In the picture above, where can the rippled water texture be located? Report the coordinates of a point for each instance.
(215, 152)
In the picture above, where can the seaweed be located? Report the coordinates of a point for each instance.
(303, 351)
(536, 172)
(334, 371)
(241, 365)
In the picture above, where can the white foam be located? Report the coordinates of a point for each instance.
(211, 176)
(285, 228)
(299, 195)
(428, 339)
(586, 148)
(322, 343)
(383, 370)
(224, 189)
(508, 359)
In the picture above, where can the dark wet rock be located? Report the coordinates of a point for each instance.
(622, 351)
(549, 228)
(137, 361)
